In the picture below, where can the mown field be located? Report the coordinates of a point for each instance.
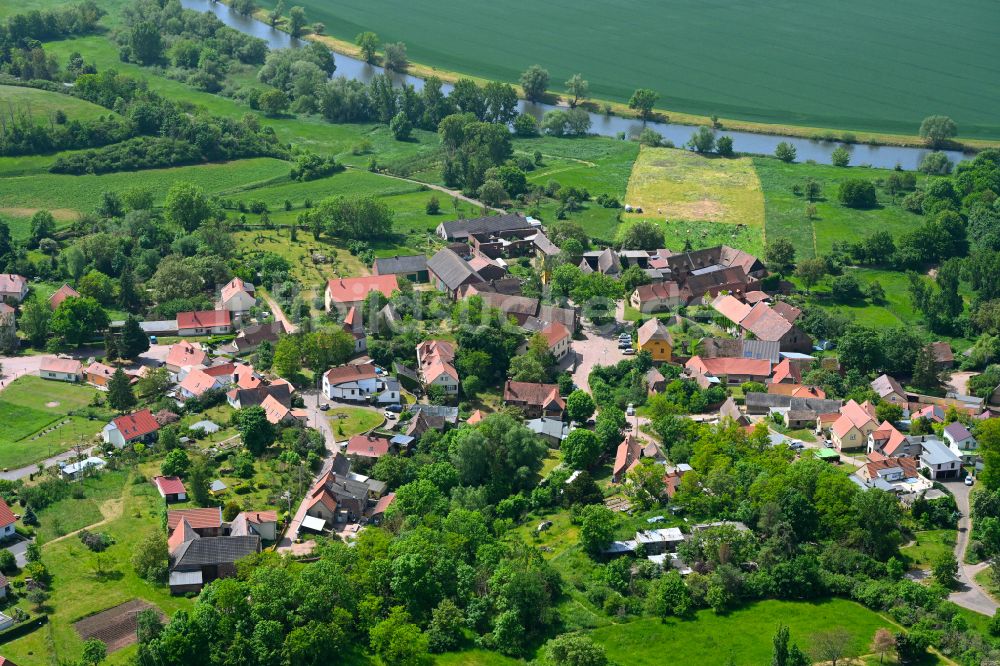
(849, 64)
(41, 105)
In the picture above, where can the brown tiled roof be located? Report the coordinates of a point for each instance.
(136, 425)
(533, 394)
(61, 295)
(169, 485)
(204, 319)
(367, 446)
(654, 329)
(6, 515)
(184, 353)
(349, 290)
(731, 308)
(350, 373)
(207, 518)
(730, 366)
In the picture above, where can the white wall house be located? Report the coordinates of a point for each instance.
(350, 382)
(961, 442)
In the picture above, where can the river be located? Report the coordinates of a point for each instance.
(884, 157)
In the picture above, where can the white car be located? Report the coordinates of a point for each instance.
(630, 410)
(390, 415)
(969, 480)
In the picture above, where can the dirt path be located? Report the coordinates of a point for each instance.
(111, 510)
(439, 188)
(279, 314)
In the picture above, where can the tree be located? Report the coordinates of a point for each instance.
(597, 528)
(444, 633)
(313, 644)
(199, 481)
(925, 372)
(150, 557)
(187, 206)
(145, 43)
(579, 406)
(702, 141)
(395, 56)
(120, 395)
(988, 437)
(937, 130)
(581, 449)
(273, 102)
(94, 652)
(575, 650)
(779, 652)
(785, 152)
(845, 288)
(288, 356)
(401, 127)
(133, 341)
(810, 271)
(578, 87)
(669, 596)
(254, 428)
(275, 14)
(780, 255)
(501, 102)
(641, 235)
(175, 463)
(8, 563)
(78, 320)
(34, 321)
(889, 411)
(534, 82)
(296, 21)
(724, 146)
(945, 568)
(840, 157)
(831, 645)
(883, 642)
(367, 42)
(525, 125)
(399, 642)
(642, 100)
(492, 193)
(359, 217)
(154, 383)
(936, 163)
(43, 225)
(911, 647)
(858, 193)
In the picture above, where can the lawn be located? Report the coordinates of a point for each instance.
(348, 421)
(41, 105)
(743, 635)
(30, 405)
(780, 62)
(927, 546)
(79, 589)
(786, 212)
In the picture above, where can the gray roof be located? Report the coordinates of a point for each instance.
(883, 385)
(207, 426)
(452, 270)
(957, 431)
(549, 427)
(936, 452)
(761, 403)
(762, 350)
(413, 263)
(217, 486)
(210, 551)
(461, 229)
(252, 336)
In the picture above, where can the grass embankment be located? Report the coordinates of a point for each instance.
(31, 405)
(773, 72)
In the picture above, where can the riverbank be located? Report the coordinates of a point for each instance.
(599, 106)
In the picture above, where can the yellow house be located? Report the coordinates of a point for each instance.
(656, 339)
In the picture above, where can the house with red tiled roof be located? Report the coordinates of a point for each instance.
(889, 470)
(61, 294)
(384, 502)
(888, 441)
(659, 297)
(184, 354)
(171, 488)
(367, 446)
(276, 412)
(131, 428)
(7, 520)
(61, 369)
(205, 521)
(626, 457)
(435, 363)
(240, 375)
(98, 374)
(237, 296)
(763, 322)
(351, 292)
(205, 322)
(731, 371)
(476, 417)
(796, 390)
(558, 338)
(350, 382)
(851, 429)
(13, 288)
(196, 382)
(534, 399)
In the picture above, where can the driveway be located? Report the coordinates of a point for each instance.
(959, 381)
(969, 593)
(20, 551)
(594, 349)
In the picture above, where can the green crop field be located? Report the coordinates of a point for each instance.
(844, 63)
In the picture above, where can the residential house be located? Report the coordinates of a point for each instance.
(763, 323)
(355, 328)
(939, 460)
(205, 322)
(351, 382)
(933, 413)
(604, 261)
(796, 390)
(255, 523)
(435, 362)
(758, 404)
(251, 337)
(184, 354)
(378, 511)
(277, 412)
(961, 442)
(889, 390)
(659, 297)
(657, 542)
(411, 267)
(61, 369)
(944, 357)
(553, 431)
(856, 422)
(206, 522)
(61, 294)
(672, 479)
(130, 428)
(80, 468)
(345, 293)
(681, 265)
(740, 348)
(98, 374)
(487, 268)
(171, 488)
(7, 520)
(340, 498)
(13, 288)
(535, 400)
(449, 272)
(237, 296)
(461, 230)
(558, 338)
(654, 337)
(626, 457)
(881, 471)
(791, 368)
(888, 441)
(367, 446)
(730, 371)
(730, 410)
(655, 381)
(279, 390)
(196, 381)
(197, 561)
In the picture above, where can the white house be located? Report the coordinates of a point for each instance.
(130, 428)
(237, 296)
(205, 322)
(558, 337)
(61, 369)
(350, 382)
(939, 460)
(7, 520)
(961, 442)
(435, 359)
(13, 288)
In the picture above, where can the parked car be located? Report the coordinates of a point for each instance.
(630, 410)
(969, 480)
(390, 415)
(624, 344)
(324, 407)
(394, 408)
(628, 352)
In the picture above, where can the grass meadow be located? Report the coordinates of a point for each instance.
(41, 105)
(847, 64)
(927, 546)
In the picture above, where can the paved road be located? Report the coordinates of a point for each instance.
(970, 594)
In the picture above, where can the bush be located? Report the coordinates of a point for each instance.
(840, 156)
(936, 163)
(785, 152)
(96, 541)
(858, 193)
(8, 563)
